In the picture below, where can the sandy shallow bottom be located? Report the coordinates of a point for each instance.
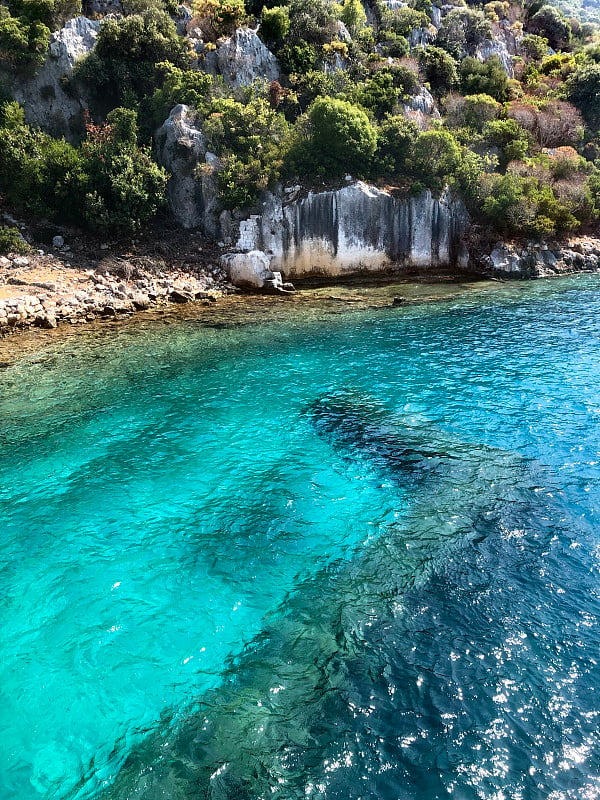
(243, 309)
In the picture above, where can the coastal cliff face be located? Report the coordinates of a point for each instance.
(352, 229)
(357, 228)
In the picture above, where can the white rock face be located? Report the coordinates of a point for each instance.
(181, 149)
(243, 58)
(353, 229)
(42, 96)
(248, 270)
(421, 37)
(423, 103)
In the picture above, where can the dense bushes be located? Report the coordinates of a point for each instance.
(122, 68)
(108, 183)
(339, 107)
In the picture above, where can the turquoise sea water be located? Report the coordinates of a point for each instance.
(354, 556)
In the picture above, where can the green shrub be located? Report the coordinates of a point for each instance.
(275, 23)
(342, 138)
(435, 157)
(311, 21)
(472, 111)
(392, 44)
(186, 86)
(462, 30)
(299, 58)
(488, 77)
(123, 64)
(583, 90)
(550, 22)
(23, 44)
(250, 141)
(353, 16)
(124, 187)
(403, 20)
(219, 17)
(333, 137)
(11, 241)
(439, 69)
(38, 173)
(509, 137)
(396, 137)
(535, 47)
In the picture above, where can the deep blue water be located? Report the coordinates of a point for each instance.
(350, 556)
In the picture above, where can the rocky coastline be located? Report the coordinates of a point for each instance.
(47, 291)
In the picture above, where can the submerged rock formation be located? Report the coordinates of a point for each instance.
(357, 228)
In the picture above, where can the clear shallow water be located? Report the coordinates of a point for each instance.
(227, 595)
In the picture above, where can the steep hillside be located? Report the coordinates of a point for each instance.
(498, 104)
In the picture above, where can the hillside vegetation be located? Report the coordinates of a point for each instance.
(500, 102)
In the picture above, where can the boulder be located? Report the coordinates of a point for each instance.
(45, 102)
(422, 103)
(249, 270)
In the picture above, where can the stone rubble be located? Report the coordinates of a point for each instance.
(75, 296)
(542, 260)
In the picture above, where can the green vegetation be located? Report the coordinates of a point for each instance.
(523, 150)
(11, 241)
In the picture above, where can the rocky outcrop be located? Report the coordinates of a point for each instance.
(181, 150)
(422, 104)
(543, 260)
(355, 229)
(43, 97)
(243, 59)
(496, 47)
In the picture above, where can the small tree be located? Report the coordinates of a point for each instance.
(439, 68)
(275, 24)
(342, 138)
(353, 16)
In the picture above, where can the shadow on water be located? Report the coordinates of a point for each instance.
(428, 666)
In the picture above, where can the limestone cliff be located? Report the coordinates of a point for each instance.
(354, 229)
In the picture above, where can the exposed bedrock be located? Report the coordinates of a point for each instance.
(43, 95)
(357, 228)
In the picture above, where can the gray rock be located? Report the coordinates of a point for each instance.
(45, 102)
(181, 148)
(178, 296)
(496, 47)
(58, 241)
(248, 270)
(423, 103)
(243, 58)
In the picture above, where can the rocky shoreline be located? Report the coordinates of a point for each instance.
(46, 291)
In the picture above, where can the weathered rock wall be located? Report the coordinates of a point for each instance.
(354, 229)
(43, 96)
